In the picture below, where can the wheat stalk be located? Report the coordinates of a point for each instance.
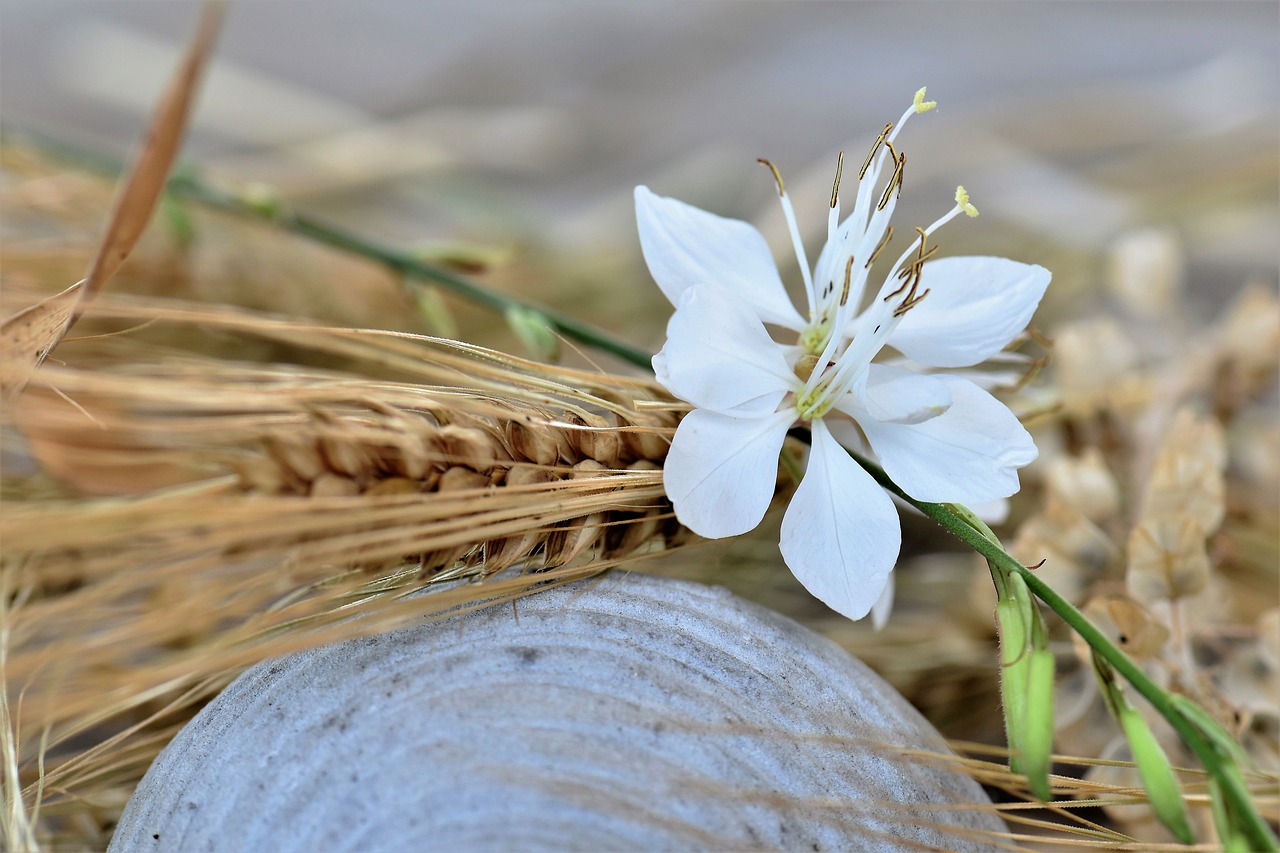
(245, 511)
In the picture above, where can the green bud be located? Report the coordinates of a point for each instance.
(265, 200)
(1157, 774)
(1158, 778)
(181, 226)
(1015, 667)
(435, 311)
(1037, 745)
(535, 332)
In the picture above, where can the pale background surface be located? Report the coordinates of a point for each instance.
(531, 121)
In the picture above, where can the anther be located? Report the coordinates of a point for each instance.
(908, 304)
(848, 270)
(884, 241)
(895, 180)
(962, 199)
(777, 176)
(866, 164)
(835, 189)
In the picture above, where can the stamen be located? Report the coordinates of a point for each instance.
(835, 189)
(895, 180)
(833, 217)
(777, 176)
(844, 294)
(910, 275)
(908, 304)
(866, 164)
(796, 242)
(884, 241)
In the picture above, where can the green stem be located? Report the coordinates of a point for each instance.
(1234, 792)
(185, 183)
(189, 187)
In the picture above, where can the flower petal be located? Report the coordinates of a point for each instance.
(721, 471)
(719, 356)
(685, 246)
(896, 395)
(969, 454)
(975, 306)
(840, 536)
(884, 606)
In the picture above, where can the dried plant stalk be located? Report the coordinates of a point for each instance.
(237, 512)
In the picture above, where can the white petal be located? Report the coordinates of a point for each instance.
(884, 606)
(896, 395)
(685, 247)
(991, 512)
(719, 356)
(840, 536)
(974, 308)
(721, 471)
(969, 454)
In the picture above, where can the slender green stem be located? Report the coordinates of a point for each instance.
(1254, 827)
(185, 183)
(189, 187)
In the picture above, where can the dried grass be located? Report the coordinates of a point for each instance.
(245, 511)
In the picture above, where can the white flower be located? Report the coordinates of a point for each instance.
(939, 437)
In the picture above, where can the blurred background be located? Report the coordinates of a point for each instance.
(1132, 148)
(516, 128)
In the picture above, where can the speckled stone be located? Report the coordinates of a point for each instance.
(633, 713)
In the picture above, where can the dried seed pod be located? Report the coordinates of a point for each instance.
(473, 447)
(456, 479)
(643, 440)
(298, 456)
(331, 485)
(394, 486)
(631, 713)
(528, 474)
(588, 468)
(410, 455)
(1167, 558)
(504, 553)
(346, 456)
(573, 538)
(1188, 475)
(1085, 484)
(537, 443)
(634, 531)
(597, 440)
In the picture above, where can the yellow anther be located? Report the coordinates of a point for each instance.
(962, 199)
(777, 176)
(866, 164)
(921, 105)
(804, 366)
(835, 189)
(848, 270)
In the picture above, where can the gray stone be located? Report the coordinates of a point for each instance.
(632, 713)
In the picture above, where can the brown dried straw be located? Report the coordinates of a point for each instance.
(249, 510)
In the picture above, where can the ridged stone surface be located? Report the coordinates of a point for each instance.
(632, 713)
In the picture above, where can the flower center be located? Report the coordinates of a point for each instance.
(837, 349)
